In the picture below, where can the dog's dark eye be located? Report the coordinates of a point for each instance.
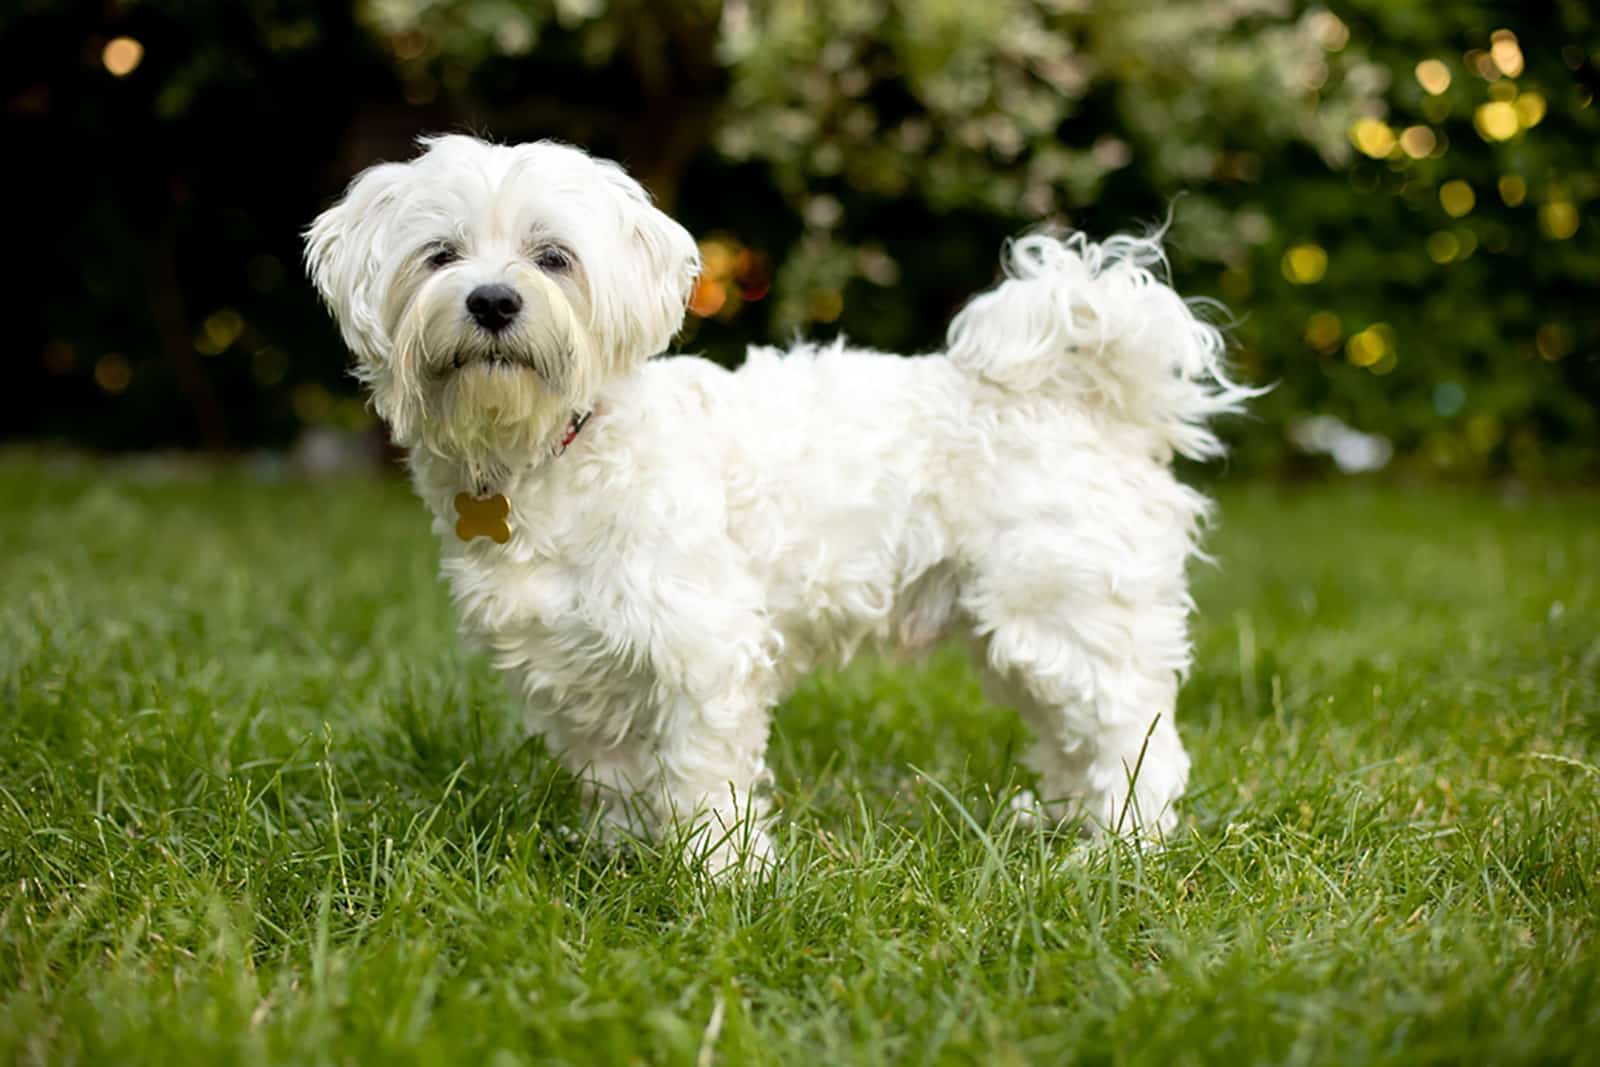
(443, 257)
(554, 260)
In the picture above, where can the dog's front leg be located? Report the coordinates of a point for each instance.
(708, 791)
(683, 761)
(691, 766)
(688, 769)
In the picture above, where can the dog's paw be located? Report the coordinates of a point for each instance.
(741, 855)
(1027, 809)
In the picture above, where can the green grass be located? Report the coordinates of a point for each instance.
(256, 805)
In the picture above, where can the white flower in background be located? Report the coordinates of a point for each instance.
(1352, 451)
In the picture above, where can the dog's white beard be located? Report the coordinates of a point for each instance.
(492, 403)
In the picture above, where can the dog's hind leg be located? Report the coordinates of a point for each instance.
(1094, 674)
(1119, 777)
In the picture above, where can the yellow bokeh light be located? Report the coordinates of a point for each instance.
(716, 258)
(1513, 190)
(1373, 137)
(826, 305)
(1433, 76)
(1443, 246)
(1369, 346)
(1418, 141)
(1323, 331)
(1457, 198)
(219, 331)
(121, 55)
(270, 365)
(1305, 264)
(1506, 53)
(1558, 219)
(1530, 109)
(1497, 120)
(1553, 341)
(1479, 60)
(112, 373)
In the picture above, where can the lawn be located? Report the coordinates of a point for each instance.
(256, 805)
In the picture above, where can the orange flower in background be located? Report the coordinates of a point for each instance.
(731, 276)
(709, 296)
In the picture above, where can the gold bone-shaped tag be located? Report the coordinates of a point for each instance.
(483, 518)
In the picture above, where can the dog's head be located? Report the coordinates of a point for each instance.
(489, 291)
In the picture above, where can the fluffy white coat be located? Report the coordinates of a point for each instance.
(712, 535)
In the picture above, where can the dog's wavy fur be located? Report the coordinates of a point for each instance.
(711, 536)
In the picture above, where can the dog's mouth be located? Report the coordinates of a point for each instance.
(493, 361)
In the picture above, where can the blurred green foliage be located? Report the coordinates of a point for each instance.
(1394, 199)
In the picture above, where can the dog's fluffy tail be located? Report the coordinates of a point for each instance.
(1099, 322)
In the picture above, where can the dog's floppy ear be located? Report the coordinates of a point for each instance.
(645, 304)
(346, 249)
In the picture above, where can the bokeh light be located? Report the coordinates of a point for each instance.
(1449, 398)
(1554, 341)
(709, 296)
(269, 365)
(1373, 137)
(1418, 141)
(1531, 108)
(122, 56)
(1481, 63)
(218, 333)
(59, 357)
(826, 305)
(1305, 264)
(112, 373)
(1506, 53)
(1371, 346)
(1443, 246)
(1457, 198)
(1558, 219)
(1433, 76)
(1497, 120)
(1323, 331)
(731, 275)
(1330, 30)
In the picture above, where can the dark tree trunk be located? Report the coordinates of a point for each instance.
(172, 324)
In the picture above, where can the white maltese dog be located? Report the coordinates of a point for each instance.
(655, 550)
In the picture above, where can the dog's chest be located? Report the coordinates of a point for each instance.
(501, 601)
(530, 618)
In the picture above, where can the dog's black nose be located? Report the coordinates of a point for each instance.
(494, 306)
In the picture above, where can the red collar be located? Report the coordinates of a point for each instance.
(574, 424)
(481, 487)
